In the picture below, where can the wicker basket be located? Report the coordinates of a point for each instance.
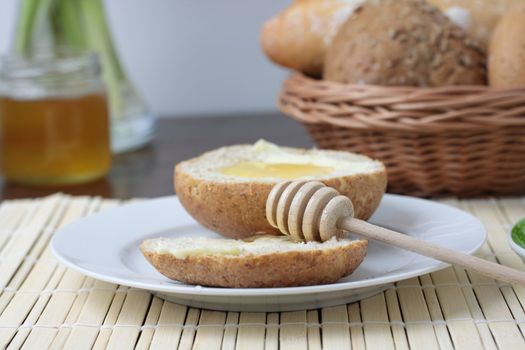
(461, 140)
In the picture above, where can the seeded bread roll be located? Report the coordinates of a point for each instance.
(403, 42)
(262, 262)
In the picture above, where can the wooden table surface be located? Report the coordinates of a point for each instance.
(148, 172)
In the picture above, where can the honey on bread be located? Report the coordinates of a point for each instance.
(253, 170)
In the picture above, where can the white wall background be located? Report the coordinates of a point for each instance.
(189, 57)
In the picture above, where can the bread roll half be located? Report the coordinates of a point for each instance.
(262, 262)
(234, 204)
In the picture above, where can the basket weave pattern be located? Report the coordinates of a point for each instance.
(461, 140)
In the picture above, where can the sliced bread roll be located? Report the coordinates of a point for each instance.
(260, 262)
(226, 189)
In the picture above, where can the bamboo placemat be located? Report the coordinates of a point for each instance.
(43, 304)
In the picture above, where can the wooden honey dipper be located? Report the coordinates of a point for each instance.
(311, 211)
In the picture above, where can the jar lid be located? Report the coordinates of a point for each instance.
(58, 63)
(59, 72)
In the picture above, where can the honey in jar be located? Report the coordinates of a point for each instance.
(54, 120)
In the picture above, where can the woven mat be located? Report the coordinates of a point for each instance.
(43, 304)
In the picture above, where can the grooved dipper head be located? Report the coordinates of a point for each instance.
(307, 211)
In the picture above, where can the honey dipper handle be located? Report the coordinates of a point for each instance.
(484, 267)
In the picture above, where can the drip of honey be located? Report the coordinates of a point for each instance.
(54, 140)
(255, 170)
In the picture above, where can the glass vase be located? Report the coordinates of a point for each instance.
(46, 26)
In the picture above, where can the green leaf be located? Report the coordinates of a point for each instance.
(518, 233)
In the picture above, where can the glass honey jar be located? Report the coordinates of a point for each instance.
(54, 119)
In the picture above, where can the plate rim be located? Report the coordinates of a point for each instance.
(187, 289)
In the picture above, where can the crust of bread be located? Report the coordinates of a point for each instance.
(282, 269)
(483, 15)
(507, 50)
(237, 209)
(299, 36)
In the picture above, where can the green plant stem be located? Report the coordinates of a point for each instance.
(68, 24)
(42, 37)
(99, 40)
(24, 28)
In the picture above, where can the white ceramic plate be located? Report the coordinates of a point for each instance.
(105, 246)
